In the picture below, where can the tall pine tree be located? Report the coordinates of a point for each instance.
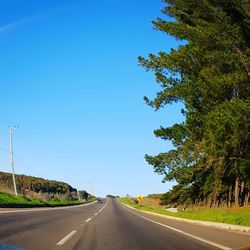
(210, 74)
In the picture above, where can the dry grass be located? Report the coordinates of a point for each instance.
(152, 203)
(237, 216)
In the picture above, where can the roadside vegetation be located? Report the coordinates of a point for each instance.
(237, 216)
(209, 75)
(39, 188)
(39, 192)
(12, 201)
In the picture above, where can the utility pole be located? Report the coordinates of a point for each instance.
(92, 188)
(78, 194)
(12, 160)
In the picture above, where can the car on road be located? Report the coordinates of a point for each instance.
(99, 200)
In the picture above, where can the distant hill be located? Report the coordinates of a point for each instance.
(39, 188)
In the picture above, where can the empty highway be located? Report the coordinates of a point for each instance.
(109, 225)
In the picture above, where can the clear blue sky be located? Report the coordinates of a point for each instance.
(70, 80)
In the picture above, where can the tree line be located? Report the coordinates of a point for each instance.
(47, 189)
(209, 73)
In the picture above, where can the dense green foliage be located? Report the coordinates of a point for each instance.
(35, 184)
(83, 194)
(40, 188)
(111, 196)
(210, 74)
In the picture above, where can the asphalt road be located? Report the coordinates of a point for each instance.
(108, 226)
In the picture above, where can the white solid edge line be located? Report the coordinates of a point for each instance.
(89, 219)
(46, 208)
(104, 206)
(182, 232)
(66, 238)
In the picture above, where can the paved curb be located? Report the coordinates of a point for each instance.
(218, 225)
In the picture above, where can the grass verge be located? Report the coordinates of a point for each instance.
(239, 216)
(11, 201)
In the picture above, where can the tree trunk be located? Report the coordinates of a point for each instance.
(230, 192)
(236, 191)
(247, 198)
(242, 193)
(209, 201)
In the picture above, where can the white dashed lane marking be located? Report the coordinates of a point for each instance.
(66, 238)
(89, 219)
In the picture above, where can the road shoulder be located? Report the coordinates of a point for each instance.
(223, 226)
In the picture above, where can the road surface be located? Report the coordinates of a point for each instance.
(107, 226)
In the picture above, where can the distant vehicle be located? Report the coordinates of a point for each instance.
(99, 200)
